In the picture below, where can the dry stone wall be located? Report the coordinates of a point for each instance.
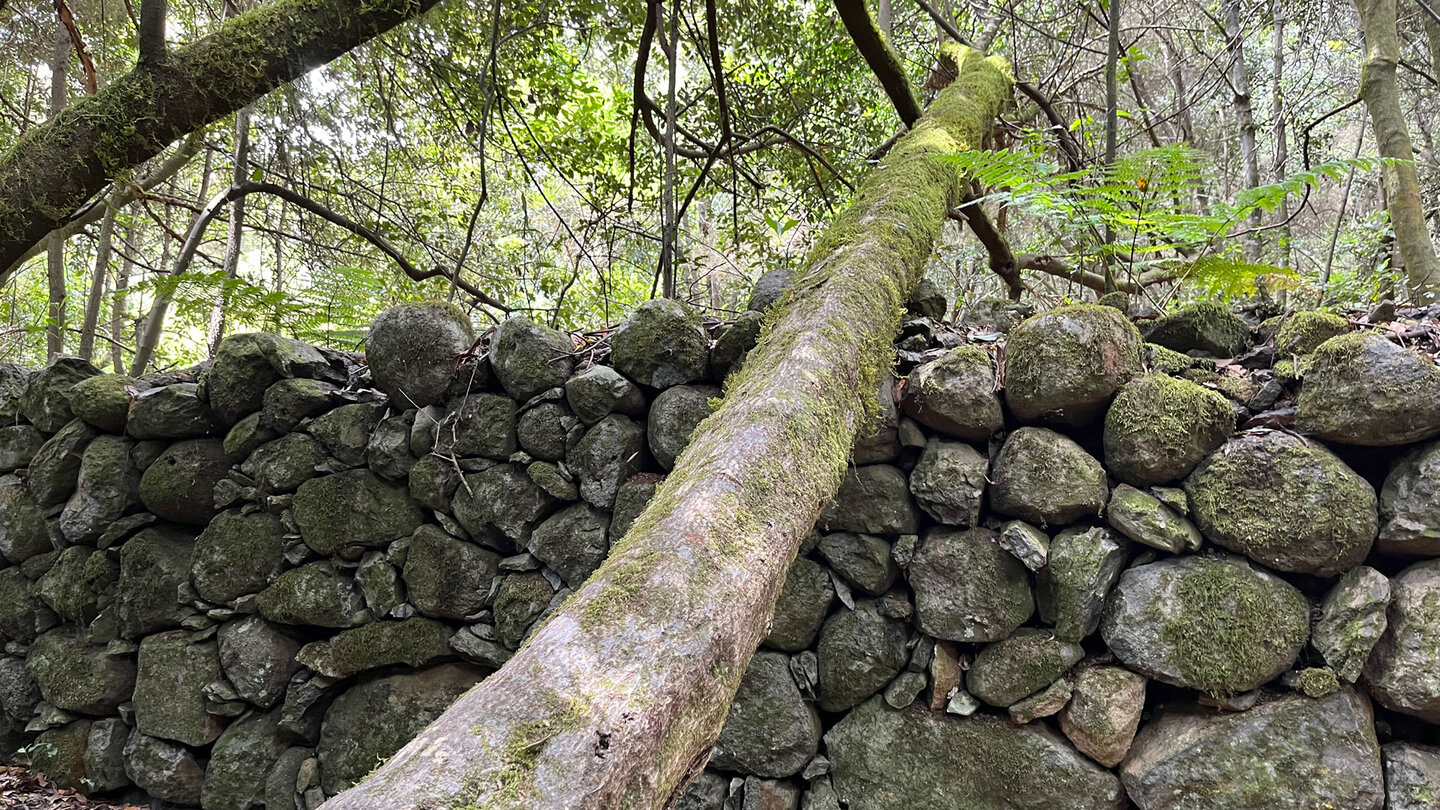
(1079, 565)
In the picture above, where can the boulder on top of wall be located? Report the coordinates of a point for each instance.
(289, 401)
(529, 358)
(353, 508)
(1020, 665)
(928, 301)
(46, 401)
(768, 289)
(873, 499)
(23, 533)
(889, 760)
(373, 719)
(611, 451)
(345, 431)
(164, 770)
(284, 464)
(1303, 332)
(573, 541)
(1412, 776)
(661, 344)
(18, 445)
(967, 588)
(180, 484)
(803, 604)
(1285, 502)
(236, 554)
(1159, 427)
(78, 676)
(446, 577)
(55, 468)
(955, 395)
(1046, 478)
(1081, 568)
(1410, 503)
(599, 391)
(1360, 388)
(859, 652)
(171, 412)
(502, 499)
(411, 351)
(674, 415)
(771, 730)
(104, 401)
(1218, 625)
(1104, 712)
(246, 364)
(1205, 326)
(1292, 751)
(734, 342)
(258, 659)
(239, 761)
(1063, 366)
(1352, 619)
(948, 482)
(154, 566)
(1404, 669)
(172, 671)
(544, 431)
(106, 489)
(315, 593)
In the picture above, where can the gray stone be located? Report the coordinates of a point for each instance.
(412, 642)
(927, 300)
(896, 760)
(862, 559)
(674, 415)
(1070, 590)
(556, 484)
(353, 508)
(164, 770)
(998, 314)
(1027, 661)
(56, 465)
(1410, 504)
(433, 482)
(284, 464)
(1104, 712)
(967, 588)
(529, 358)
(661, 344)
(411, 351)
(874, 499)
(1045, 703)
(769, 794)
(1362, 389)
(371, 720)
(1412, 776)
(446, 577)
(610, 452)
(171, 412)
(389, 453)
(59, 754)
(79, 677)
(173, 670)
(235, 776)
(1144, 519)
(105, 756)
(1352, 619)
(878, 442)
(257, 659)
(1291, 752)
(544, 430)
(771, 730)
(46, 401)
(104, 400)
(154, 567)
(290, 401)
(520, 599)
(706, 792)
(1159, 427)
(804, 602)
(734, 342)
(180, 485)
(768, 289)
(955, 395)
(1205, 326)
(599, 391)
(80, 584)
(238, 553)
(345, 431)
(315, 593)
(18, 690)
(246, 364)
(573, 541)
(630, 500)
(949, 482)
(859, 652)
(380, 583)
(107, 488)
(22, 613)
(1234, 493)
(483, 425)
(18, 445)
(1217, 625)
(280, 789)
(1063, 366)
(501, 498)
(23, 533)
(1028, 544)
(13, 381)
(1043, 477)
(1404, 669)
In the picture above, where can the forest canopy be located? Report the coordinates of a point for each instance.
(570, 159)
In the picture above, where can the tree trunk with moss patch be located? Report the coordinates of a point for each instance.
(618, 697)
(51, 172)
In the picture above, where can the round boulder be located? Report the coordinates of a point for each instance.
(103, 400)
(674, 415)
(1159, 427)
(529, 358)
(1063, 366)
(1046, 478)
(1404, 668)
(1362, 389)
(180, 484)
(661, 344)
(411, 350)
(1410, 504)
(955, 395)
(1205, 326)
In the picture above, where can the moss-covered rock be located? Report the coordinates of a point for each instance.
(412, 642)
(573, 542)
(501, 500)
(873, 499)
(164, 770)
(284, 464)
(630, 500)
(18, 445)
(599, 391)
(1082, 567)
(768, 288)
(103, 400)
(674, 416)
(315, 593)
(948, 482)
(246, 435)
(171, 674)
(154, 566)
(46, 401)
(877, 438)
(859, 652)
(519, 601)
(771, 731)
(180, 485)
(258, 659)
(1303, 332)
(411, 350)
(77, 676)
(289, 401)
(1409, 503)
(1104, 712)
(545, 430)
(171, 412)
(79, 584)
(1412, 776)
(955, 395)
(105, 756)
(1046, 478)
(389, 453)
(862, 559)
(345, 431)
(999, 314)
(1063, 366)
(1161, 360)
(1352, 619)
(1159, 427)
(967, 588)
(610, 452)
(433, 482)
(1020, 665)
(661, 344)
(1145, 519)
(1206, 326)
(917, 758)
(238, 553)
(107, 489)
(483, 425)
(1360, 388)
(446, 577)
(1404, 669)
(246, 364)
(14, 379)
(55, 468)
(22, 613)
(1285, 502)
(529, 358)
(59, 754)
(23, 533)
(734, 342)
(804, 602)
(1291, 752)
(1217, 625)
(557, 484)
(239, 762)
(353, 508)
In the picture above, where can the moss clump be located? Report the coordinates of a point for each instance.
(1160, 427)
(413, 642)
(1166, 361)
(1303, 332)
(1317, 682)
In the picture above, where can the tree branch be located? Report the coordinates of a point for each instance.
(883, 60)
(152, 32)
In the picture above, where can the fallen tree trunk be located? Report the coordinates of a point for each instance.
(57, 167)
(617, 698)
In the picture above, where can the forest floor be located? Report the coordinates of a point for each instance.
(22, 787)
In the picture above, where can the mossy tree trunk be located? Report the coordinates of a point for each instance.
(50, 173)
(617, 698)
(1381, 94)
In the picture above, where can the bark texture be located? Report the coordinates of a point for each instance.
(616, 700)
(51, 172)
(1381, 94)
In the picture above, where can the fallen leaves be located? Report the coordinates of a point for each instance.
(21, 787)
